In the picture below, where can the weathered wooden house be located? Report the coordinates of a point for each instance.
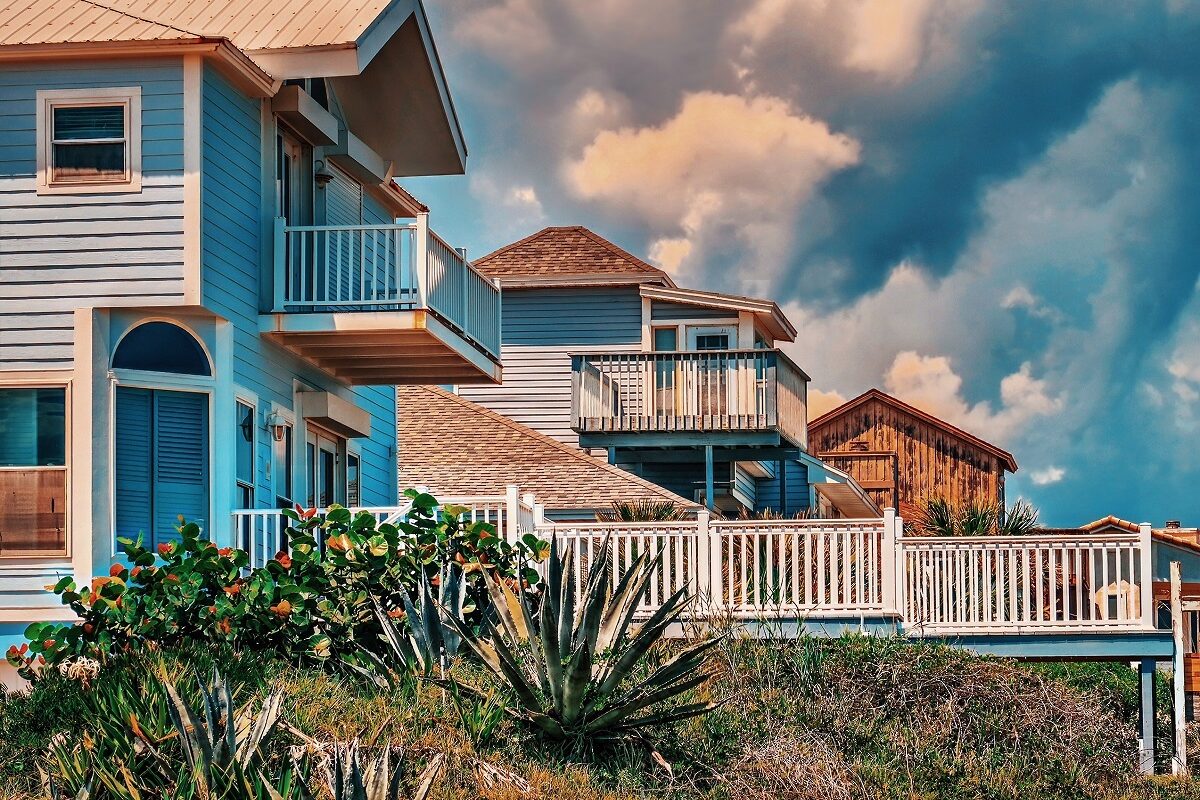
(210, 282)
(900, 454)
(686, 388)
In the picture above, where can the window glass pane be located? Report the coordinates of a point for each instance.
(32, 511)
(665, 339)
(32, 476)
(245, 444)
(352, 480)
(161, 347)
(89, 122)
(89, 161)
(712, 341)
(284, 491)
(32, 427)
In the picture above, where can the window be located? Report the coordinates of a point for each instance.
(353, 497)
(244, 454)
(284, 480)
(666, 340)
(33, 472)
(712, 341)
(161, 347)
(89, 140)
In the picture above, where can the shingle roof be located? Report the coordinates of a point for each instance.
(251, 25)
(1005, 457)
(568, 251)
(455, 447)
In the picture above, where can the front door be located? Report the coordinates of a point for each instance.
(714, 385)
(326, 484)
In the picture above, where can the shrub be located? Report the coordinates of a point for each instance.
(316, 601)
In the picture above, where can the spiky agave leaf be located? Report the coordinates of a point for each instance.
(575, 677)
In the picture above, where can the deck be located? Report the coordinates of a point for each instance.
(735, 397)
(383, 304)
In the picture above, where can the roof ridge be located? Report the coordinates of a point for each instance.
(574, 452)
(614, 249)
(511, 245)
(876, 392)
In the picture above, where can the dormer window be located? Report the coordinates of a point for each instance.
(89, 140)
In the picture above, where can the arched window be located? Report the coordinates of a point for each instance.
(161, 347)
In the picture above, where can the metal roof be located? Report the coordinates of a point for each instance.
(251, 25)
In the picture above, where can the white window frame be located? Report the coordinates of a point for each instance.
(128, 96)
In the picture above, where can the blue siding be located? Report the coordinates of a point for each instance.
(232, 249)
(60, 252)
(798, 494)
(541, 328)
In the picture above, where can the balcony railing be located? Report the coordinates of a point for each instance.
(711, 390)
(333, 268)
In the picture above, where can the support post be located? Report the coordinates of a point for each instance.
(887, 561)
(1146, 706)
(421, 260)
(1146, 576)
(1179, 692)
(708, 558)
(280, 261)
(512, 513)
(612, 455)
(709, 481)
(783, 509)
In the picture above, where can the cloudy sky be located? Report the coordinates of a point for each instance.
(989, 209)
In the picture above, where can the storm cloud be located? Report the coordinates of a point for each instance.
(987, 208)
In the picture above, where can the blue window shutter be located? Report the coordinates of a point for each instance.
(132, 481)
(180, 462)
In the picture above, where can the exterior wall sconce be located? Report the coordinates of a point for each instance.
(276, 424)
(321, 174)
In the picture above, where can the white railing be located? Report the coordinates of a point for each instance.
(799, 567)
(1019, 583)
(813, 569)
(711, 390)
(262, 532)
(747, 569)
(380, 268)
(679, 567)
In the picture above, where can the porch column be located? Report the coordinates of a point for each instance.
(1146, 696)
(708, 477)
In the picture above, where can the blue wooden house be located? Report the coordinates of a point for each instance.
(209, 282)
(686, 388)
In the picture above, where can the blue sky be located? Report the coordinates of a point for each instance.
(989, 209)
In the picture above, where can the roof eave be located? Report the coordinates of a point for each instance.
(235, 64)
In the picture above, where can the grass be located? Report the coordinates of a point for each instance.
(846, 718)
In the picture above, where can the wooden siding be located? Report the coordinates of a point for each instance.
(797, 486)
(62, 252)
(929, 460)
(541, 328)
(231, 251)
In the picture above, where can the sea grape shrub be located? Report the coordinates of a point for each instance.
(312, 602)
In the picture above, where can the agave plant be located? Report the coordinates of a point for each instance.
(347, 779)
(221, 749)
(573, 670)
(421, 642)
(642, 511)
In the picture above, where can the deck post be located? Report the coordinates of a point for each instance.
(887, 561)
(280, 261)
(1146, 716)
(708, 558)
(512, 512)
(708, 478)
(421, 260)
(1146, 551)
(1179, 693)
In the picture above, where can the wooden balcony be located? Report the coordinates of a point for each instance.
(383, 304)
(736, 397)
